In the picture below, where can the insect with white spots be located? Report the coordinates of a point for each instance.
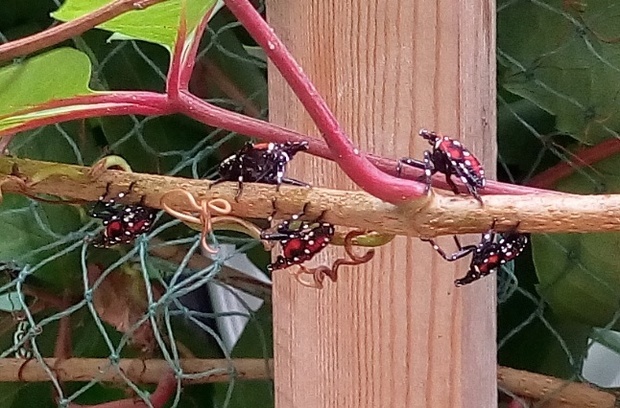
(449, 157)
(300, 240)
(488, 254)
(261, 163)
(123, 222)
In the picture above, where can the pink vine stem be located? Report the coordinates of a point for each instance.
(354, 164)
(372, 173)
(582, 158)
(204, 112)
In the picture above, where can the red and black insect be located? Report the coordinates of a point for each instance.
(261, 163)
(487, 254)
(123, 222)
(449, 157)
(300, 240)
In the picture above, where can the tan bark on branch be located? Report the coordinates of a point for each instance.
(436, 214)
(138, 371)
(552, 392)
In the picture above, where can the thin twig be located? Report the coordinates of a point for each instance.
(210, 71)
(545, 389)
(522, 383)
(137, 370)
(534, 386)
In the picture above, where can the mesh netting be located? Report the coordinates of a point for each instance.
(158, 299)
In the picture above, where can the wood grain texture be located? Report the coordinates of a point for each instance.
(396, 333)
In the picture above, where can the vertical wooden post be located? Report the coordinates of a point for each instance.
(395, 333)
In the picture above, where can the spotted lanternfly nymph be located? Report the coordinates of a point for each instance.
(300, 240)
(488, 254)
(449, 157)
(261, 163)
(123, 222)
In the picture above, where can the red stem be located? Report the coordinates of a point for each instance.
(65, 31)
(184, 56)
(189, 57)
(515, 403)
(204, 112)
(99, 104)
(173, 80)
(150, 103)
(354, 164)
(112, 99)
(584, 157)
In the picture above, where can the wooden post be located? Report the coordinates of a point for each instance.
(395, 333)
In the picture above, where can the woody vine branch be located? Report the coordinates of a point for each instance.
(437, 214)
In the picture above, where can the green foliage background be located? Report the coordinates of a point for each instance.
(558, 90)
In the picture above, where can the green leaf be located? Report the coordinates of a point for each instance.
(528, 332)
(578, 278)
(34, 225)
(58, 74)
(567, 64)
(31, 226)
(158, 24)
